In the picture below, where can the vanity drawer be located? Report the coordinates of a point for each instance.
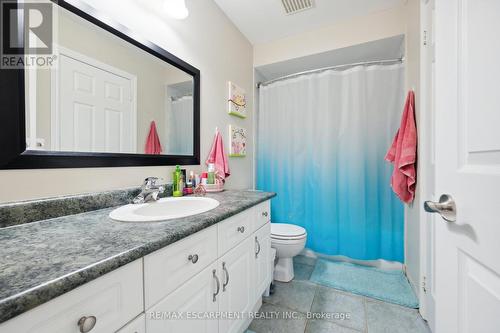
(234, 230)
(113, 299)
(262, 213)
(168, 268)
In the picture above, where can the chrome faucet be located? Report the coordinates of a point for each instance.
(150, 191)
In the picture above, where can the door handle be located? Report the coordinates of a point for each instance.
(214, 299)
(193, 258)
(86, 324)
(224, 284)
(446, 207)
(258, 247)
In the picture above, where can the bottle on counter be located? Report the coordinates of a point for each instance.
(211, 174)
(204, 176)
(177, 182)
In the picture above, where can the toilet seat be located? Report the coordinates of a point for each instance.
(288, 241)
(283, 231)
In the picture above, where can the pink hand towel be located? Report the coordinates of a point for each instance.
(403, 154)
(153, 145)
(218, 157)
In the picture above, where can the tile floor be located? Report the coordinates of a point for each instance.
(345, 312)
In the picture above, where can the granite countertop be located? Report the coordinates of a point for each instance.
(45, 259)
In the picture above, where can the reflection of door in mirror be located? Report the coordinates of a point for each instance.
(95, 108)
(179, 118)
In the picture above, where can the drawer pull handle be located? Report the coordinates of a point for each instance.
(265, 214)
(86, 324)
(224, 285)
(193, 258)
(241, 229)
(258, 247)
(218, 285)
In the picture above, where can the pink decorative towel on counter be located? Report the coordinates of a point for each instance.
(153, 145)
(403, 153)
(218, 157)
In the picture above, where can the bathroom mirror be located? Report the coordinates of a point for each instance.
(108, 98)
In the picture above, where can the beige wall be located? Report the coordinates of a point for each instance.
(360, 30)
(208, 41)
(412, 212)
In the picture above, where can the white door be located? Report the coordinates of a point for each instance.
(237, 294)
(262, 266)
(95, 110)
(177, 312)
(468, 165)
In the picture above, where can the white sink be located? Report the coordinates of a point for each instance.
(163, 209)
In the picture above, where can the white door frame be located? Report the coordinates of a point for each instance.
(427, 155)
(54, 92)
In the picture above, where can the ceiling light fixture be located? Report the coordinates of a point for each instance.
(176, 9)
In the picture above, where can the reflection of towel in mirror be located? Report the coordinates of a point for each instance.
(218, 157)
(153, 145)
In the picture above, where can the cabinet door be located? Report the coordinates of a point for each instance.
(262, 265)
(138, 325)
(188, 308)
(238, 290)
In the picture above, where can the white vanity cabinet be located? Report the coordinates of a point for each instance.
(205, 283)
(227, 290)
(208, 302)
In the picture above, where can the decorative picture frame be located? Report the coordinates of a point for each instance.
(237, 103)
(237, 141)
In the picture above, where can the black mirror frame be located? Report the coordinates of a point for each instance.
(13, 153)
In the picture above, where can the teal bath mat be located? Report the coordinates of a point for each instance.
(386, 285)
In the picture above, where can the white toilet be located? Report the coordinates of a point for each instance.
(288, 240)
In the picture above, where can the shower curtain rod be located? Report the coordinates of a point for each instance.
(364, 63)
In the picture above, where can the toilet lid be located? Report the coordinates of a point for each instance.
(283, 230)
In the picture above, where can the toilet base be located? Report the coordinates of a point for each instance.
(283, 271)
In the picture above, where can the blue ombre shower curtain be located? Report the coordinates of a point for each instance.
(321, 144)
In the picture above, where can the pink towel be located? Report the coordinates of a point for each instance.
(403, 153)
(153, 145)
(218, 157)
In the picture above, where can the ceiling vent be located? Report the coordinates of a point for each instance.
(295, 6)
